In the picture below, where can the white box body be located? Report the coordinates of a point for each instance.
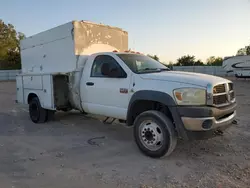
(58, 49)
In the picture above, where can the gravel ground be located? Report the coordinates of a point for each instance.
(80, 151)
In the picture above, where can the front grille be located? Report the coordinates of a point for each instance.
(220, 99)
(231, 96)
(230, 86)
(219, 89)
(223, 94)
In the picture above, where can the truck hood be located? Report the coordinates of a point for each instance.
(197, 79)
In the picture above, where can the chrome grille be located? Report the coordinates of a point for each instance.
(232, 96)
(219, 89)
(220, 99)
(230, 86)
(223, 94)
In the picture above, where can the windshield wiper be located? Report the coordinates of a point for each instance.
(164, 69)
(151, 69)
(154, 69)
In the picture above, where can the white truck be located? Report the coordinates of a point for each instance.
(86, 66)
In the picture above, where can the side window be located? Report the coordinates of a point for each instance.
(98, 62)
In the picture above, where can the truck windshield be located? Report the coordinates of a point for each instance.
(142, 64)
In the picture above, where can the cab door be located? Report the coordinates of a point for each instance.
(104, 95)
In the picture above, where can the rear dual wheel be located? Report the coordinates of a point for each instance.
(154, 134)
(37, 113)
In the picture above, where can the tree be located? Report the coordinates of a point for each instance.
(248, 50)
(214, 61)
(244, 51)
(241, 51)
(198, 63)
(170, 65)
(9, 45)
(155, 57)
(188, 61)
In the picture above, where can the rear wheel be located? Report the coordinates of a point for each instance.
(155, 134)
(37, 113)
(66, 109)
(50, 115)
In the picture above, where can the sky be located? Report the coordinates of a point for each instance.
(167, 28)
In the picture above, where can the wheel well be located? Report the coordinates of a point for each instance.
(31, 96)
(145, 105)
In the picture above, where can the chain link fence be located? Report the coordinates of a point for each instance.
(212, 70)
(7, 75)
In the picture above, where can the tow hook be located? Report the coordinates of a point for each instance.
(235, 122)
(218, 132)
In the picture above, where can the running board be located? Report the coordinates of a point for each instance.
(106, 120)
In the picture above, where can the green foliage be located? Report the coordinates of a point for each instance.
(241, 51)
(155, 57)
(188, 60)
(9, 46)
(214, 61)
(198, 63)
(170, 65)
(244, 51)
(248, 50)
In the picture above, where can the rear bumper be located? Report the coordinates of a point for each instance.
(202, 122)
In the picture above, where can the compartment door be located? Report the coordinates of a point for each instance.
(48, 94)
(19, 89)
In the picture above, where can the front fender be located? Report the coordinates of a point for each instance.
(162, 98)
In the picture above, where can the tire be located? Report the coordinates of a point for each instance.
(50, 115)
(66, 109)
(37, 113)
(84, 113)
(154, 134)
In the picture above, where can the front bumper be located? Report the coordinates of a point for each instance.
(202, 122)
(207, 123)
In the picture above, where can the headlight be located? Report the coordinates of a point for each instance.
(190, 96)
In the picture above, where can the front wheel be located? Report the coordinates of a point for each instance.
(155, 134)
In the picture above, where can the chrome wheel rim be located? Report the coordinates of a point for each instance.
(151, 135)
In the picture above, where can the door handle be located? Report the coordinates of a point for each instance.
(89, 83)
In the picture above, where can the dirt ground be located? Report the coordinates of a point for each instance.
(77, 151)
